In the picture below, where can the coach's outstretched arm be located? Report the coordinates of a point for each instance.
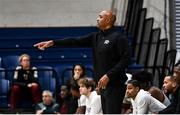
(45, 44)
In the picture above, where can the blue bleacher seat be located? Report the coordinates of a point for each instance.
(0, 62)
(66, 75)
(89, 70)
(59, 70)
(9, 72)
(2, 73)
(10, 61)
(4, 91)
(46, 78)
(53, 85)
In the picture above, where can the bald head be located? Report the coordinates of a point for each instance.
(106, 19)
(156, 93)
(111, 15)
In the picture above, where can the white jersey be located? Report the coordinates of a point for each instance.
(93, 104)
(144, 103)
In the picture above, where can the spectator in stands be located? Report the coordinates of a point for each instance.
(48, 106)
(93, 100)
(78, 71)
(67, 104)
(79, 100)
(25, 82)
(111, 58)
(159, 95)
(171, 86)
(142, 101)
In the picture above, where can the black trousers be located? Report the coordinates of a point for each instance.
(112, 98)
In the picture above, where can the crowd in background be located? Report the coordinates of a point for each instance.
(80, 96)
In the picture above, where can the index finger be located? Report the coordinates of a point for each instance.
(35, 45)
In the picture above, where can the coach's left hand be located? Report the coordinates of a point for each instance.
(103, 81)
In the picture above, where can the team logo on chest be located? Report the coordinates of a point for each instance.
(106, 42)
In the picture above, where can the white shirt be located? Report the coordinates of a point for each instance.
(93, 104)
(144, 103)
(82, 101)
(166, 101)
